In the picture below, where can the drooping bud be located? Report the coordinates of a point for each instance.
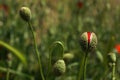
(59, 67)
(25, 13)
(68, 57)
(99, 56)
(88, 41)
(112, 57)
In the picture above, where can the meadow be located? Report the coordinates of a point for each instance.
(32, 45)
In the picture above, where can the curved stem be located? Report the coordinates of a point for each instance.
(36, 50)
(113, 71)
(55, 44)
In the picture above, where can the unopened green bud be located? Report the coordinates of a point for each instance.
(88, 41)
(68, 57)
(111, 57)
(59, 67)
(99, 56)
(25, 13)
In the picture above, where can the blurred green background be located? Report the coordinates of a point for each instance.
(65, 21)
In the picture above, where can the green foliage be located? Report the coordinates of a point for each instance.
(62, 21)
(14, 51)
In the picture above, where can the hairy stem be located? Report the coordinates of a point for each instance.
(36, 50)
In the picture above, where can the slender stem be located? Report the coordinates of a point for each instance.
(49, 64)
(36, 50)
(84, 63)
(80, 69)
(113, 71)
(8, 73)
(3, 69)
(55, 44)
(84, 70)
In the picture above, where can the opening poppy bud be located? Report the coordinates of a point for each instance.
(25, 13)
(112, 57)
(88, 41)
(59, 68)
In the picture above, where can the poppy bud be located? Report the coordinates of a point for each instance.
(88, 41)
(112, 57)
(68, 57)
(99, 56)
(59, 68)
(25, 13)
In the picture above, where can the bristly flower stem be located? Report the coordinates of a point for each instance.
(36, 50)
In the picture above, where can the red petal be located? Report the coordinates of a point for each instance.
(117, 47)
(89, 34)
